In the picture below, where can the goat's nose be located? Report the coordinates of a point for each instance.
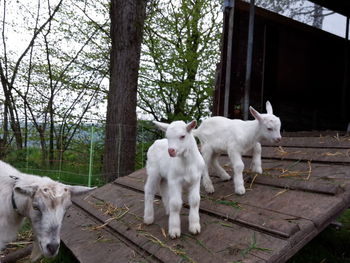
(172, 152)
(52, 248)
(278, 139)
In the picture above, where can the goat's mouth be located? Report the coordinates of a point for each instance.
(277, 140)
(49, 252)
(172, 154)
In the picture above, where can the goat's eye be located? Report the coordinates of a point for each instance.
(36, 208)
(182, 137)
(269, 129)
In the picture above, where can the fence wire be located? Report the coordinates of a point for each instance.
(69, 156)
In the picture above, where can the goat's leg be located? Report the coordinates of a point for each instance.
(164, 192)
(221, 171)
(238, 167)
(175, 204)
(194, 200)
(256, 160)
(207, 153)
(151, 186)
(8, 229)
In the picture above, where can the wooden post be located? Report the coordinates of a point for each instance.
(17, 255)
(228, 73)
(91, 162)
(345, 90)
(263, 71)
(249, 60)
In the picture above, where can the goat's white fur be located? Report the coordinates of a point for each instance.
(40, 199)
(172, 164)
(220, 135)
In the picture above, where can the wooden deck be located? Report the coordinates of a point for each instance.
(305, 186)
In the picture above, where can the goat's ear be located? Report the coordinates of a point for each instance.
(269, 107)
(28, 190)
(79, 190)
(191, 125)
(255, 113)
(161, 125)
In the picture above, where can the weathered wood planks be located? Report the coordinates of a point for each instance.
(305, 185)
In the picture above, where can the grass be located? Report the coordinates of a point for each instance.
(330, 246)
(253, 246)
(25, 237)
(64, 256)
(222, 201)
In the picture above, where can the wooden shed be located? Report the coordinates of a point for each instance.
(302, 70)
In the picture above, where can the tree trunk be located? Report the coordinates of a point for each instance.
(127, 19)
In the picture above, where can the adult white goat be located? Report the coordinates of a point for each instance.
(40, 199)
(220, 135)
(173, 163)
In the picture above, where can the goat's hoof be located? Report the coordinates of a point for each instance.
(148, 220)
(240, 190)
(195, 228)
(174, 233)
(225, 177)
(209, 189)
(257, 170)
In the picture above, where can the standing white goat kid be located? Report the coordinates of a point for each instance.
(220, 135)
(40, 199)
(173, 163)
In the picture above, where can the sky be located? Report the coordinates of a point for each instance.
(335, 24)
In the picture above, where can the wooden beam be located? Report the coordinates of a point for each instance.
(17, 255)
(345, 91)
(228, 73)
(249, 60)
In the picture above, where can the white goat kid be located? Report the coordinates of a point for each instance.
(173, 163)
(220, 135)
(40, 199)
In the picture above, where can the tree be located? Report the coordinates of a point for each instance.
(180, 52)
(127, 20)
(8, 79)
(57, 80)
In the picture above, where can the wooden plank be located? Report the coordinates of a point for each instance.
(91, 245)
(297, 204)
(292, 184)
(314, 154)
(300, 170)
(201, 248)
(311, 134)
(315, 176)
(219, 206)
(16, 255)
(313, 142)
(281, 211)
(328, 179)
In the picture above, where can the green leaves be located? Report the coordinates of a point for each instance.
(180, 52)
